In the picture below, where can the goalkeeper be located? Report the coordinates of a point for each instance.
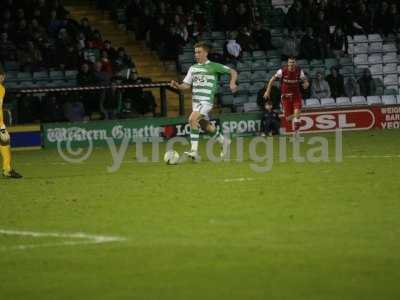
(5, 149)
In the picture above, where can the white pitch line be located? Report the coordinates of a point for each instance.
(241, 179)
(82, 239)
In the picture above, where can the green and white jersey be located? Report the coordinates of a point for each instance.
(204, 80)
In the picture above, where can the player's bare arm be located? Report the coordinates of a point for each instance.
(269, 87)
(232, 82)
(179, 86)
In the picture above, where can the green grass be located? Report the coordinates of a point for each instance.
(301, 231)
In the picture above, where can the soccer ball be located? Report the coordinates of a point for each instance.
(171, 157)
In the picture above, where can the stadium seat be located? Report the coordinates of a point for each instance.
(244, 77)
(56, 75)
(227, 99)
(389, 99)
(390, 57)
(361, 59)
(376, 69)
(250, 106)
(347, 70)
(343, 101)
(360, 39)
(371, 100)
(243, 66)
(259, 76)
(317, 63)
(375, 48)
(256, 87)
(390, 68)
(398, 98)
(243, 88)
(259, 65)
(11, 65)
(253, 98)
(71, 74)
(390, 79)
(390, 91)
(331, 62)
(390, 47)
(358, 100)
(360, 48)
(375, 38)
(273, 54)
(303, 63)
(246, 55)
(375, 59)
(24, 76)
(259, 54)
(186, 58)
(218, 35)
(239, 100)
(312, 102)
(345, 61)
(328, 102)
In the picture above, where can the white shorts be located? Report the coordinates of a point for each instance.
(203, 107)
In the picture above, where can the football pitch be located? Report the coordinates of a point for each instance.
(303, 230)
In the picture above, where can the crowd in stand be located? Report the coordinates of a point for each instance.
(47, 38)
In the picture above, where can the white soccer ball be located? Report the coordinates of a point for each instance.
(171, 157)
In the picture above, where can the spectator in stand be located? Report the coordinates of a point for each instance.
(89, 99)
(321, 27)
(362, 18)
(173, 44)
(291, 46)
(245, 39)
(158, 34)
(54, 25)
(294, 18)
(338, 43)
(111, 52)
(68, 58)
(367, 84)
(51, 59)
(351, 88)
(37, 31)
(97, 40)
(89, 53)
(7, 48)
(85, 28)
(393, 19)
(233, 48)
(262, 37)
(199, 17)
(309, 45)
(320, 87)
(85, 76)
(243, 16)
(336, 83)
(106, 63)
(225, 19)
(122, 61)
(382, 19)
(30, 58)
(21, 34)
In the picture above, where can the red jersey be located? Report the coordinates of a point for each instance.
(290, 80)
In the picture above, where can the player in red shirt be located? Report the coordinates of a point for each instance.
(291, 76)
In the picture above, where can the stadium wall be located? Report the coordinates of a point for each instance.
(239, 124)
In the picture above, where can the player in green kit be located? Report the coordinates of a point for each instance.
(203, 78)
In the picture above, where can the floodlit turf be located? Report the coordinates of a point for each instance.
(209, 230)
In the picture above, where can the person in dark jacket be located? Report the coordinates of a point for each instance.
(270, 123)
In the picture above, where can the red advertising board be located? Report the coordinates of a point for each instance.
(362, 118)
